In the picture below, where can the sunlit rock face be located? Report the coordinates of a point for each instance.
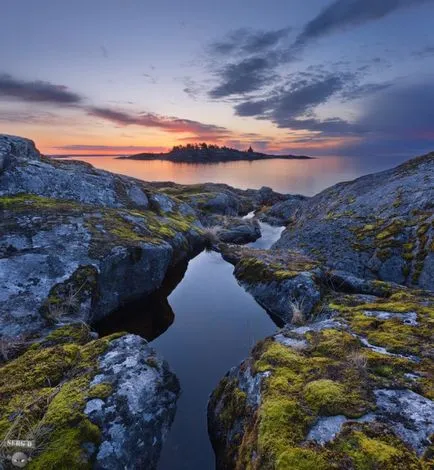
(76, 243)
(378, 226)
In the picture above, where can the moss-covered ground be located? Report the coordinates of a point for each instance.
(43, 395)
(108, 227)
(335, 374)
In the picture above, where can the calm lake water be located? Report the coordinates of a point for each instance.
(201, 321)
(306, 177)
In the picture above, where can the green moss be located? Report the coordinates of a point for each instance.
(235, 404)
(101, 390)
(373, 446)
(282, 423)
(24, 202)
(303, 459)
(298, 389)
(43, 395)
(390, 230)
(255, 269)
(327, 396)
(393, 333)
(336, 375)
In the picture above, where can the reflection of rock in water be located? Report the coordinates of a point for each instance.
(148, 317)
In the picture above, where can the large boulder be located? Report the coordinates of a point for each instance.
(352, 391)
(76, 243)
(378, 226)
(106, 403)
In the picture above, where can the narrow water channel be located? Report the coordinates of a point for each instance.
(206, 325)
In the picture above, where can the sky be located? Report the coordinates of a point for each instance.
(313, 77)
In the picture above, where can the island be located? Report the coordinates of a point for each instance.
(204, 153)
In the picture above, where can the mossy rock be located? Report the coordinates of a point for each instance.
(43, 395)
(333, 373)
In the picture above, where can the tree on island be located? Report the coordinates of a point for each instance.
(250, 150)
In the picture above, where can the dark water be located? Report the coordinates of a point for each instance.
(206, 325)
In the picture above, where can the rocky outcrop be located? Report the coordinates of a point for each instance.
(282, 212)
(211, 199)
(76, 242)
(283, 282)
(234, 229)
(353, 391)
(379, 226)
(105, 403)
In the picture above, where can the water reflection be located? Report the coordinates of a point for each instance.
(306, 177)
(148, 317)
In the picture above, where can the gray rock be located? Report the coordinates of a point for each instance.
(327, 428)
(280, 281)
(61, 219)
(409, 318)
(28, 172)
(281, 213)
(239, 231)
(379, 226)
(136, 418)
(410, 415)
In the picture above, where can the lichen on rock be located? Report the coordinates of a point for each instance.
(376, 400)
(49, 394)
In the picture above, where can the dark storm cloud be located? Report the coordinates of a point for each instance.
(166, 123)
(356, 91)
(345, 13)
(249, 42)
(36, 91)
(396, 122)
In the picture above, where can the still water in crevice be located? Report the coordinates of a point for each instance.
(203, 323)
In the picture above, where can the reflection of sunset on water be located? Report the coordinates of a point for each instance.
(287, 176)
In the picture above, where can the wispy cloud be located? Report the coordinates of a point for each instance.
(246, 76)
(108, 148)
(292, 105)
(247, 41)
(424, 53)
(342, 14)
(166, 123)
(36, 91)
(254, 58)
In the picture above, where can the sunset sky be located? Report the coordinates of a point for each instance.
(318, 77)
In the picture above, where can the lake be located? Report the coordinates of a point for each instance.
(306, 177)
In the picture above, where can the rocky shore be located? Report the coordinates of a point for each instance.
(77, 243)
(345, 384)
(348, 382)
